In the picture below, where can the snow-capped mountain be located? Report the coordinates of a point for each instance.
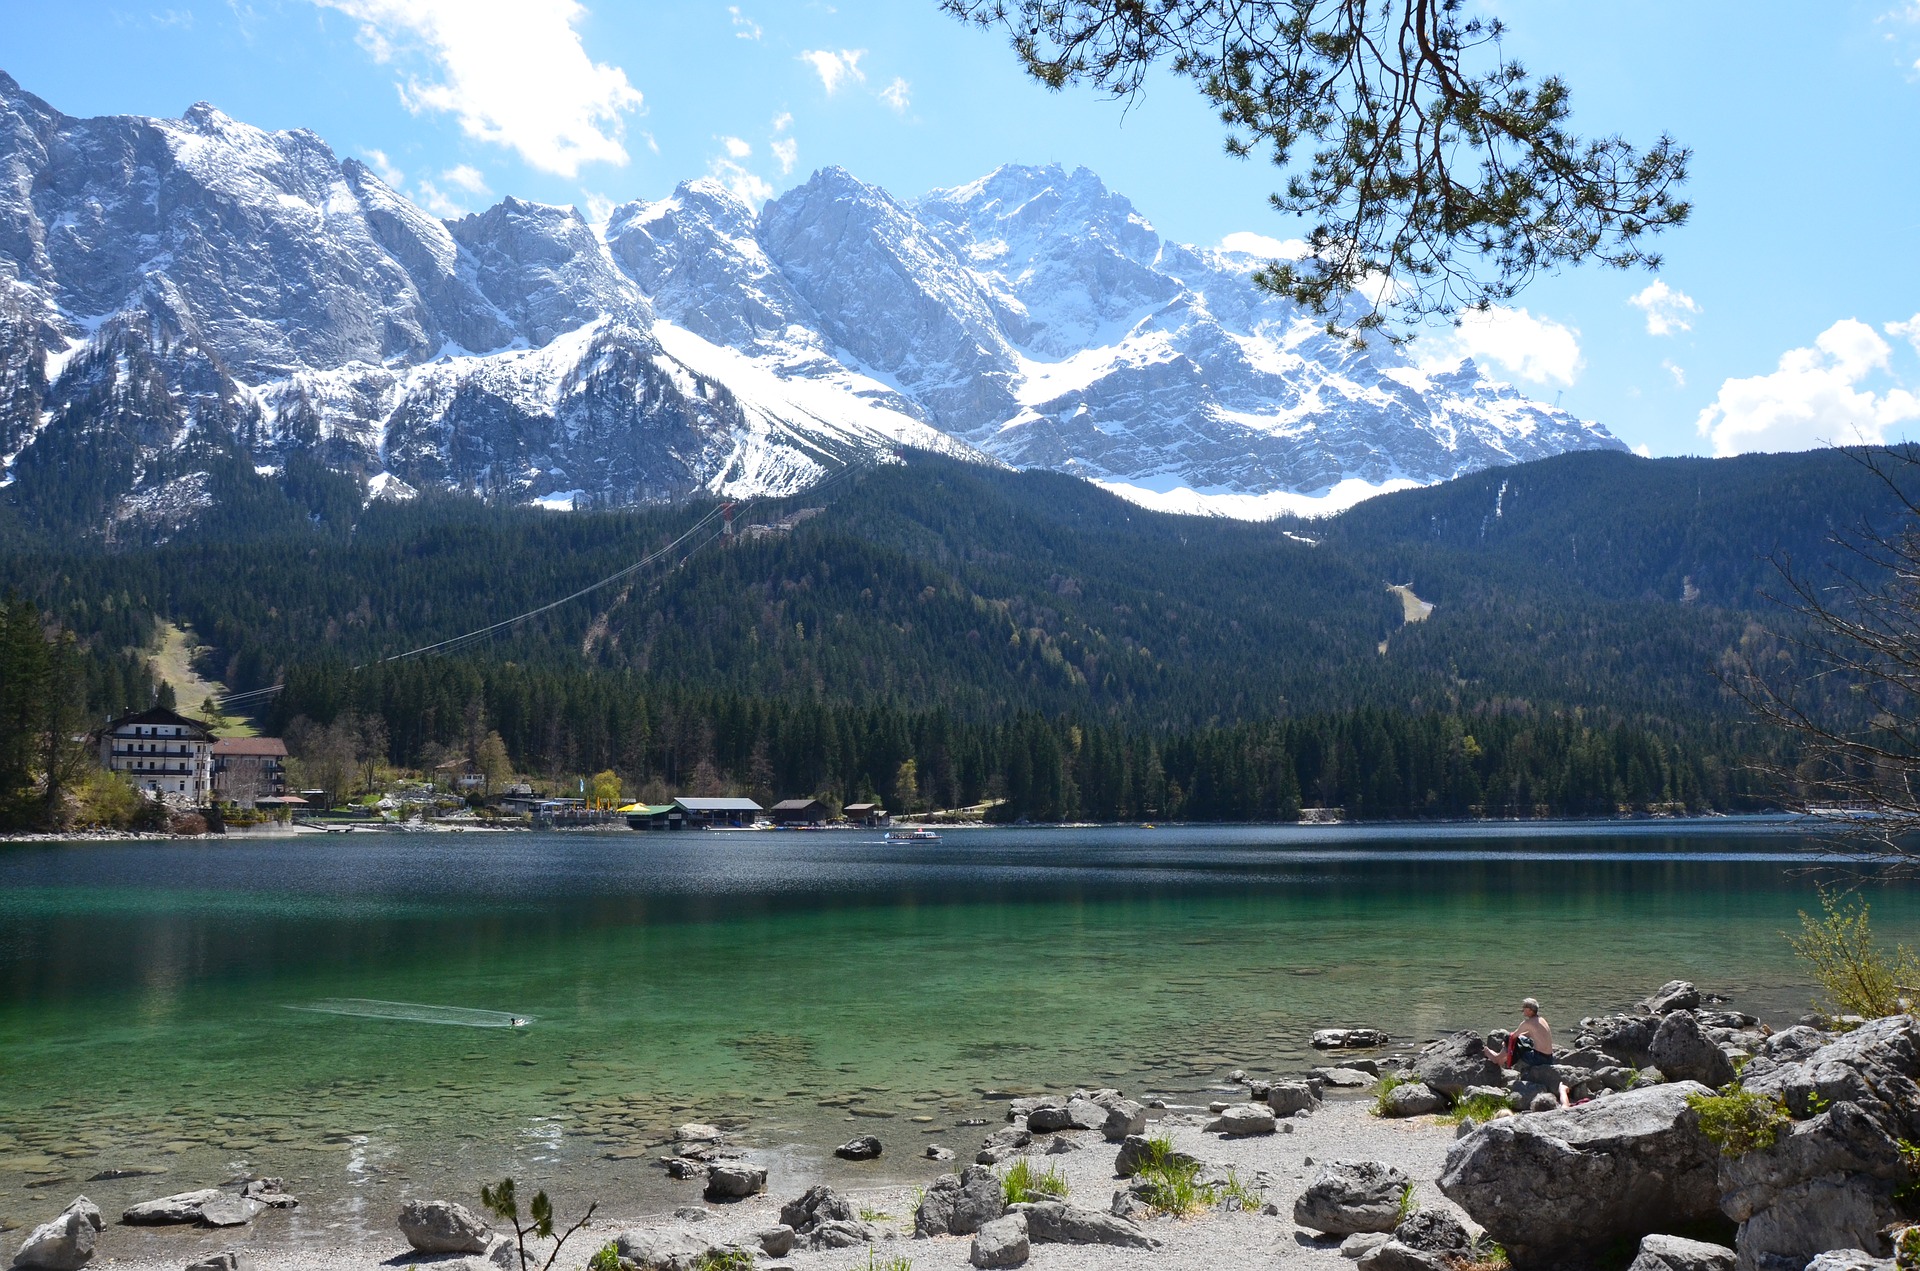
(185, 296)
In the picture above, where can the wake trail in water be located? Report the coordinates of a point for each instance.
(413, 1012)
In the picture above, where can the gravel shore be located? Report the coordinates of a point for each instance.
(1340, 1130)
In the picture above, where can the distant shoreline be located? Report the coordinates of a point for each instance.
(1727, 820)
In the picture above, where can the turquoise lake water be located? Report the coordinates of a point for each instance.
(156, 999)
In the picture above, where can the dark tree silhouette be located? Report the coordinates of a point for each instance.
(1435, 172)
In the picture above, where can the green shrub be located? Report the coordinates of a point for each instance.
(1024, 1183)
(607, 1259)
(1739, 1120)
(1384, 1087)
(898, 1262)
(1173, 1183)
(1481, 1108)
(724, 1260)
(1858, 975)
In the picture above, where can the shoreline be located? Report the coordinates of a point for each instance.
(1726, 821)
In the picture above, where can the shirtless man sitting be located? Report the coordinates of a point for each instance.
(1536, 1052)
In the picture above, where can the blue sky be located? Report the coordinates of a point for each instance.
(1787, 313)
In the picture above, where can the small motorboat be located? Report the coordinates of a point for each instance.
(912, 836)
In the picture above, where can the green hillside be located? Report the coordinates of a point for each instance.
(933, 599)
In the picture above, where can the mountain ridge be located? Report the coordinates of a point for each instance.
(282, 301)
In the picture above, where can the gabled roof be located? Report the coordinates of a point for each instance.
(856, 809)
(796, 805)
(162, 717)
(719, 805)
(272, 747)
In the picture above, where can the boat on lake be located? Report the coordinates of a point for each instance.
(912, 836)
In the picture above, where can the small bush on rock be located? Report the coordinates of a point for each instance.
(1739, 1120)
(607, 1259)
(1480, 1108)
(1859, 976)
(1172, 1183)
(1387, 1084)
(1023, 1183)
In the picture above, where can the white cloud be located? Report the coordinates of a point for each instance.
(599, 208)
(1668, 311)
(435, 200)
(1908, 330)
(749, 187)
(787, 151)
(897, 95)
(182, 18)
(1266, 248)
(384, 169)
(1529, 348)
(1815, 398)
(1678, 372)
(1643, 450)
(736, 148)
(836, 69)
(466, 177)
(512, 71)
(783, 121)
(744, 27)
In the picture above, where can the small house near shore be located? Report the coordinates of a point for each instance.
(706, 814)
(871, 815)
(249, 770)
(798, 812)
(161, 752)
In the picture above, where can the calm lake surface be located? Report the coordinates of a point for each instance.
(155, 999)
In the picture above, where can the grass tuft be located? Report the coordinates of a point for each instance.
(1387, 1084)
(724, 1260)
(1173, 1183)
(1482, 1108)
(1408, 1205)
(1023, 1183)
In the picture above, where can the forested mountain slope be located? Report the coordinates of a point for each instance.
(1594, 581)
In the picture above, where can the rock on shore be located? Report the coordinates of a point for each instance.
(66, 1243)
(1555, 1186)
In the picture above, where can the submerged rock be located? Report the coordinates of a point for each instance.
(230, 1211)
(864, 1148)
(734, 1180)
(182, 1207)
(1674, 995)
(1349, 1038)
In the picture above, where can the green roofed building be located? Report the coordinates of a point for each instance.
(654, 816)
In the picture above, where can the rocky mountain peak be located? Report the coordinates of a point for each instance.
(272, 298)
